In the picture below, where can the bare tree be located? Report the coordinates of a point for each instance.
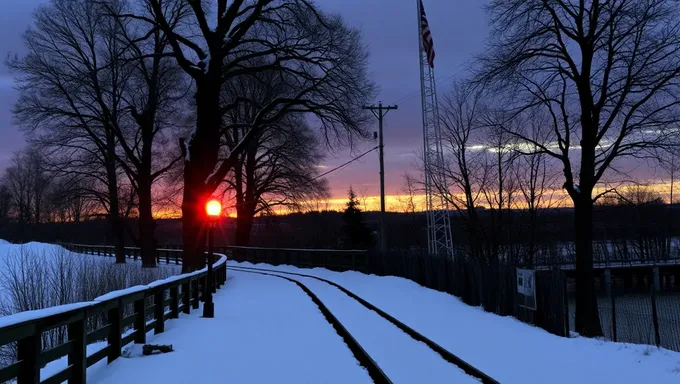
(606, 72)
(19, 182)
(465, 168)
(26, 188)
(70, 97)
(70, 202)
(5, 202)
(499, 161)
(153, 94)
(278, 167)
(112, 93)
(537, 178)
(321, 58)
(409, 190)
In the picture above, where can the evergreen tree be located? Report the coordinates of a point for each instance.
(357, 234)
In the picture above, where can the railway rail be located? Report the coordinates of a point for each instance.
(376, 372)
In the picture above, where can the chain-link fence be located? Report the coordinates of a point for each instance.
(635, 307)
(480, 283)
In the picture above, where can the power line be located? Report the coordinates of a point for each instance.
(318, 177)
(347, 163)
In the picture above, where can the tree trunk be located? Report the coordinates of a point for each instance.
(587, 321)
(114, 207)
(193, 223)
(203, 148)
(146, 223)
(117, 227)
(245, 214)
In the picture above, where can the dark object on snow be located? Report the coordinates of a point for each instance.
(149, 349)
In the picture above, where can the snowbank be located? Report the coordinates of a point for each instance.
(266, 330)
(505, 348)
(30, 315)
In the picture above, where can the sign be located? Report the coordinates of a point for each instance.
(526, 288)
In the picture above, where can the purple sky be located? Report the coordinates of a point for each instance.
(390, 31)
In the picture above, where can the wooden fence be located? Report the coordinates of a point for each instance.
(169, 255)
(121, 326)
(333, 259)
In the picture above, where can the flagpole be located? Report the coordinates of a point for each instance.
(439, 239)
(426, 156)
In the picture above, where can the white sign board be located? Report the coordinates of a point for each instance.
(526, 288)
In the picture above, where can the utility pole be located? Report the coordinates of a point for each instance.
(379, 112)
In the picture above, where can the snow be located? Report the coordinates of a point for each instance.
(187, 155)
(32, 315)
(51, 260)
(265, 330)
(205, 63)
(122, 292)
(7, 321)
(60, 364)
(402, 359)
(502, 347)
(308, 250)
(132, 351)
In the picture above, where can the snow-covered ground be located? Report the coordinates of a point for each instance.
(40, 275)
(401, 358)
(265, 330)
(503, 347)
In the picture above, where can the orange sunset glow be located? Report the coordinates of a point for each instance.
(401, 203)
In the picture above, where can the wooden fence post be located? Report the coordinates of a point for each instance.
(655, 318)
(186, 297)
(566, 304)
(174, 302)
(194, 293)
(77, 358)
(159, 311)
(28, 350)
(613, 296)
(140, 321)
(115, 317)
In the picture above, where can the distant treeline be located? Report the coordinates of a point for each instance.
(404, 230)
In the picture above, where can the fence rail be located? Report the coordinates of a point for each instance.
(647, 315)
(334, 259)
(169, 254)
(338, 260)
(179, 294)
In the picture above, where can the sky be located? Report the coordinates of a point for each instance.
(389, 29)
(459, 29)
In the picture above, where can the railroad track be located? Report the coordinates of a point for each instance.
(375, 371)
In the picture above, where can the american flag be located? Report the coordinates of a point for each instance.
(428, 44)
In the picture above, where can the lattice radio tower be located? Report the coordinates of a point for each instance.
(439, 240)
